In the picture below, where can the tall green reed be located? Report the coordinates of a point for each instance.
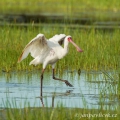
(101, 49)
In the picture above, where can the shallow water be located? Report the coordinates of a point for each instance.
(91, 90)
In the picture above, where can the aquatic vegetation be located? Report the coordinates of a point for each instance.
(101, 49)
(105, 95)
(21, 108)
(101, 52)
(59, 113)
(12, 112)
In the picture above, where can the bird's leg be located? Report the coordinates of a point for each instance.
(41, 86)
(66, 82)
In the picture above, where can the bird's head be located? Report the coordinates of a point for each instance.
(69, 39)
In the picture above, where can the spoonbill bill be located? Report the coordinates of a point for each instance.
(48, 52)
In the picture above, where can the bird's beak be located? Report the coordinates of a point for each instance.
(78, 49)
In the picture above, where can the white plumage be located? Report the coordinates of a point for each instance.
(46, 51)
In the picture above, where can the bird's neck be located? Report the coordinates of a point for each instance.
(66, 48)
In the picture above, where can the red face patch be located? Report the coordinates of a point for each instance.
(69, 39)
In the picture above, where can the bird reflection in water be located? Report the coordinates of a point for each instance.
(55, 94)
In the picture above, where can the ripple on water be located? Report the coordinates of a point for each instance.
(89, 91)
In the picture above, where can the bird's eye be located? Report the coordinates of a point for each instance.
(69, 39)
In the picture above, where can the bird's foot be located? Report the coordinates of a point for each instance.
(68, 84)
(42, 101)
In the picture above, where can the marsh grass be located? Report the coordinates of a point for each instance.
(101, 49)
(107, 112)
(93, 42)
(60, 113)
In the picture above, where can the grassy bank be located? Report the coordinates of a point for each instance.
(101, 49)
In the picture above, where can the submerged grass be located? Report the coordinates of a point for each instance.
(101, 49)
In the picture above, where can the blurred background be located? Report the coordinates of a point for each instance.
(95, 12)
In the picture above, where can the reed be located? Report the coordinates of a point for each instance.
(60, 113)
(101, 49)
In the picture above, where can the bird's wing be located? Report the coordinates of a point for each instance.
(58, 38)
(35, 47)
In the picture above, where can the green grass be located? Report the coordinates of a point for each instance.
(59, 113)
(101, 52)
(101, 49)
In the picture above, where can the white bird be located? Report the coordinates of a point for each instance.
(48, 52)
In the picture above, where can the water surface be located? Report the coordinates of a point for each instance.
(91, 90)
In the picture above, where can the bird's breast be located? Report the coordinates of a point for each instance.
(51, 57)
(52, 52)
